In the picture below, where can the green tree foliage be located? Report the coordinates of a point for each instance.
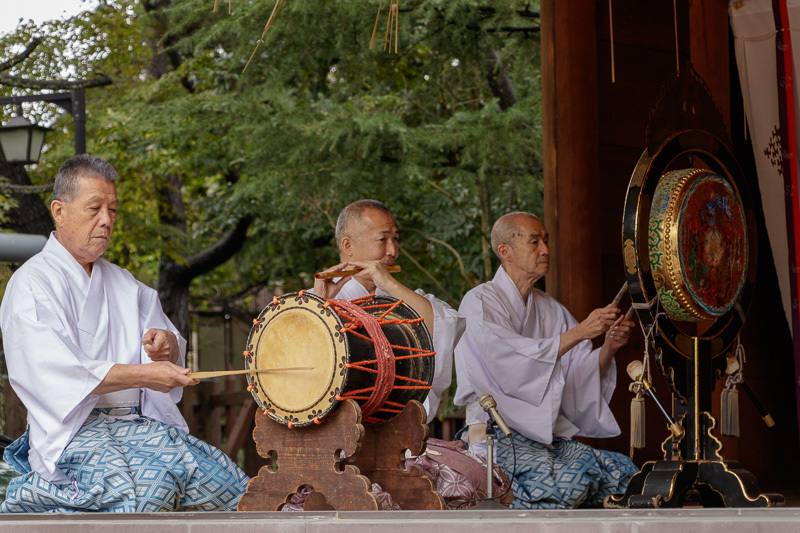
(447, 131)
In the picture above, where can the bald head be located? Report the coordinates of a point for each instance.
(348, 223)
(508, 228)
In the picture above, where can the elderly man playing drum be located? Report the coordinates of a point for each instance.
(100, 367)
(368, 239)
(527, 351)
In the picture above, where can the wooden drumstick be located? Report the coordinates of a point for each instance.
(218, 373)
(342, 273)
(629, 314)
(620, 295)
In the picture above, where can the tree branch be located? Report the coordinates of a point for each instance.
(457, 204)
(19, 58)
(506, 29)
(222, 251)
(417, 264)
(23, 83)
(455, 253)
(500, 82)
(23, 189)
(30, 214)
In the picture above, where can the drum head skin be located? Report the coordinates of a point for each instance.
(698, 244)
(297, 332)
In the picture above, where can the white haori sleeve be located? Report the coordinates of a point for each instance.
(586, 394)
(448, 326)
(51, 374)
(521, 373)
(518, 365)
(155, 404)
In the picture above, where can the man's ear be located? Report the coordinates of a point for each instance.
(504, 251)
(56, 209)
(347, 246)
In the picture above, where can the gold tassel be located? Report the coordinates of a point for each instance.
(637, 423)
(729, 425)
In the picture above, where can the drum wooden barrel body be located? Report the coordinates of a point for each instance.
(337, 361)
(697, 240)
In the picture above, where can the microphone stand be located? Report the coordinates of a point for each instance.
(490, 457)
(490, 503)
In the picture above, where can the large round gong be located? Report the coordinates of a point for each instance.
(689, 242)
(697, 239)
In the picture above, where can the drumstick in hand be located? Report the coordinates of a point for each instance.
(217, 373)
(342, 273)
(620, 295)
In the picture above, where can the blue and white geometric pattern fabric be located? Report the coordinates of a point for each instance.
(126, 466)
(566, 475)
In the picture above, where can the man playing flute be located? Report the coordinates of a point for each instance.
(368, 239)
(527, 351)
(100, 368)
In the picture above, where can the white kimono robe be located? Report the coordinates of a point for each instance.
(62, 333)
(510, 350)
(448, 326)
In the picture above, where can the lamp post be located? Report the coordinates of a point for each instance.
(73, 102)
(21, 140)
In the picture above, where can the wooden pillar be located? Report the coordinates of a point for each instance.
(708, 44)
(571, 148)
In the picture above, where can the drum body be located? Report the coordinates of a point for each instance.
(336, 356)
(697, 240)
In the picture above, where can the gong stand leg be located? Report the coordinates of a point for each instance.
(310, 455)
(694, 469)
(382, 459)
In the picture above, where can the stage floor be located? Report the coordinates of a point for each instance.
(778, 520)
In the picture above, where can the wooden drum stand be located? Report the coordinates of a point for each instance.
(317, 456)
(320, 366)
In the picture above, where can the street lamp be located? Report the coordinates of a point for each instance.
(21, 140)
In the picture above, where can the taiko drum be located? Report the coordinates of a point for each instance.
(375, 350)
(697, 240)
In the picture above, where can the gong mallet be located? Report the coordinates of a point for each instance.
(636, 372)
(218, 373)
(733, 367)
(629, 314)
(620, 295)
(392, 269)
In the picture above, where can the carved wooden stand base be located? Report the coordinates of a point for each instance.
(716, 483)
(312, 455)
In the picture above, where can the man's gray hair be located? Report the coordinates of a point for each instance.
(505, 229)
(351, 215)
(65, 188)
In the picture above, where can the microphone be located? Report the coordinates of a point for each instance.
(490, 406)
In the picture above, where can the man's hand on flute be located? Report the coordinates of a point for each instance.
(328, 288)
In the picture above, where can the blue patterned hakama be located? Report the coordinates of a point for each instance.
(566, 475)
(127, 465)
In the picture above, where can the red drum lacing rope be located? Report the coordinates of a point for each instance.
(376, 396)
(384, 356)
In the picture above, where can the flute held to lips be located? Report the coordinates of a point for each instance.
(342, 273)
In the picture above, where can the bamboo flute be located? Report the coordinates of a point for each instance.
(342, 273)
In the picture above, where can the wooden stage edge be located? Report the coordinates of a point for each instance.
(777, 520)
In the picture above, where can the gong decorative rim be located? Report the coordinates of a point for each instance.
(697, 243)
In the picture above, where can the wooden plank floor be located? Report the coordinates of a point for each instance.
(781, 520)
